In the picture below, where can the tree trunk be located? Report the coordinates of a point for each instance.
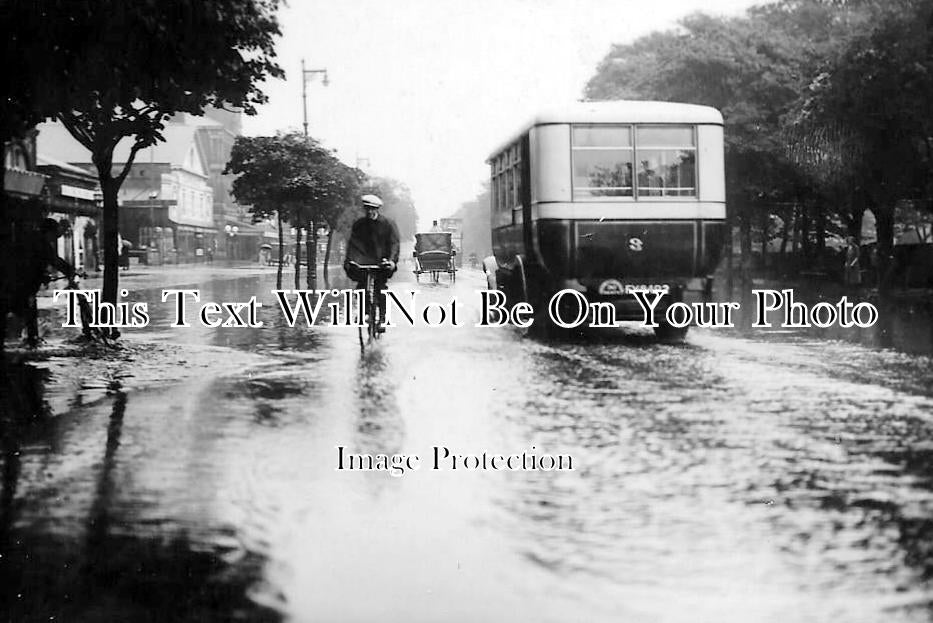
(884, 227)
(6, 222)
(330, 243)
(765, 222)
(297, 256)
(312, 256)
(820, 225)
(805, 235)
(785, 230)
(278, 277)
(111, 229)
(745, 237)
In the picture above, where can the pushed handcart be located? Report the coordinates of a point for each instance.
(434, 255)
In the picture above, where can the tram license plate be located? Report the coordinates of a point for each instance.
(646, 287)
(613, 287)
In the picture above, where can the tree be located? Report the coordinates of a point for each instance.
(294, 178)
(398, 204)
(36, 53)
(876, 92)
(753, 69)
(476, 219)
(341, 217)
(129, 66)
(257, 163)
(328, 188)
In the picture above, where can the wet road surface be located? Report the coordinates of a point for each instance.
(738, 477)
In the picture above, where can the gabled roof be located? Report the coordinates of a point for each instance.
(55, 141)
(201, 122)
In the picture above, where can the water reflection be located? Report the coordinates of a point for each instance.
(905, 321)
(379, 425)
(738, 477)
(112, 568)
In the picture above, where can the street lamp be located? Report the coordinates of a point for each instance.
(306, 74)
(231, 234)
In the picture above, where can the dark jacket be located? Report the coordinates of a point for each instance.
(26, 269)
(371, 241)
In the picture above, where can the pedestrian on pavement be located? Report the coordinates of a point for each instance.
(853, 271)
(125, 246)
(374, 239)
(25, 270)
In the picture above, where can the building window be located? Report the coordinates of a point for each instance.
(16, 158)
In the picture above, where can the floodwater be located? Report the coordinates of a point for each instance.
(742, 476)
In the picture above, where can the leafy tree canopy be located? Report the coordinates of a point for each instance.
(291, 175)
(111, 69)
(399, 205)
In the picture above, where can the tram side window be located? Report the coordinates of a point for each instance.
(517, 173)
(667, 161)
(602, 161)
(493, 192)
(503, 185)
(499, 192)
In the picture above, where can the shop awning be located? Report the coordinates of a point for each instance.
(23, 183)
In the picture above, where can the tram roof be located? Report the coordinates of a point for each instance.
(619, 111)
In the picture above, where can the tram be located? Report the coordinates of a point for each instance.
(606, 198)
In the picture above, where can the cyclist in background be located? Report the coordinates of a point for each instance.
(374, 239)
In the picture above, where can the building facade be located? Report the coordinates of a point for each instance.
(238, 237)
(166, 202)
(39, 187)
(72, 197)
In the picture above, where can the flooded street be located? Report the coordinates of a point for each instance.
(192, 475)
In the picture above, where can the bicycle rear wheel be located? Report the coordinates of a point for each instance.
(373, 325)
(370, 312)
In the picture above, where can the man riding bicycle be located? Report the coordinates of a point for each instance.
(374, 239)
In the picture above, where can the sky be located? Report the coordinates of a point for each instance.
(424, 90)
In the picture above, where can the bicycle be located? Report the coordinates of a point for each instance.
(370, 306)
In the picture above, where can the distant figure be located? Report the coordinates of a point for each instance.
(25, 270)
(435, 228)
(853, 272)
(125, 246)
(210, 251)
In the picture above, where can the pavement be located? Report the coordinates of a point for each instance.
(141, 277)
